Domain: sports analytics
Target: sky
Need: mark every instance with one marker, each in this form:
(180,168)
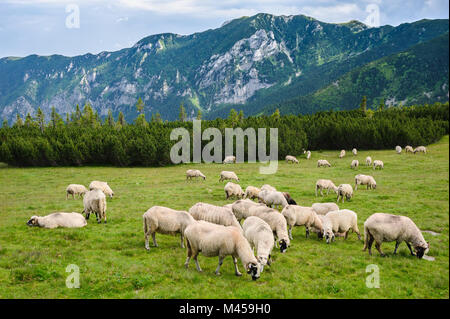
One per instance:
(74,27)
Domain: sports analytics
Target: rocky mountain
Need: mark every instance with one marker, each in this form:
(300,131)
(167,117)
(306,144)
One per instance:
(248,63)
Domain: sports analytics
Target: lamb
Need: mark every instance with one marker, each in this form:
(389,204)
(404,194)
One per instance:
(342,154)
(217,240)
(76,189)
(163,220)
(251,192)
(301,216)
(355,152)
(308,154)
(368,180)
(324,208)
(368,160)
(194,173)
(232,189)
(354,164)
(244,208)
(260,236)
(214,214)
(383,227)
(398,149)
(344,190)
(62,219)
(323,163)
(95,202)
(272,198)
(227,175)
(340,221)
(229,159)
(325,184)
(103,186)
(422,149)
(289,199)
(408,148)
(377,163)
(268,187)
(291,159)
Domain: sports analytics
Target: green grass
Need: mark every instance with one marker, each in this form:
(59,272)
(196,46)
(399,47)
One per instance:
(114,264)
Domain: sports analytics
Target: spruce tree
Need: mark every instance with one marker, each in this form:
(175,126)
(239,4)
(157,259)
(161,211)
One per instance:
(363,105)
(40,119)
(121,120)
(140,105)
(19,121)
(183,115)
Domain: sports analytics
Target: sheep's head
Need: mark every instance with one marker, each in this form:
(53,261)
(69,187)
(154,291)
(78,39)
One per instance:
(254,270)
(33,221)
(422,250)
(283,245)
(328,234)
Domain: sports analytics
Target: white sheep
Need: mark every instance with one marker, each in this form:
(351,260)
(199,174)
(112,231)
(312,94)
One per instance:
(95,202)
(194,173)
(76,189)
(301,216)
(308,154)
(327,184)
(229,159)
(324,208)
(381,227)
(163,220)
(62,219)
(355,151)
(408,148)
(323,162)
(344,190)
(291,159)
(422,149)
(272,199)
(354,164)
(214,214)
(368,180)
(244,208)
(232,189)
(378,163)
(217,240)
(368,160)
(342,154)
(340,221)
(398,149)
(227,175)
(260,236)
(103,186)
(268,188)
(251,192)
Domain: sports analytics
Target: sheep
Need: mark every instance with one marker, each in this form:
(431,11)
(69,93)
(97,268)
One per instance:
(228,206)
(378,163)
(340,221)
(301,216)
(323,163)
(383,227)
(354,151)
(244,208)
(214,214)
(227,175)
(368,180)
(76,189)
(398,149)
(62,219)
(289,199)
(163,220)
(272,198)
(268,187)
(291,159)
(344,190)
(194,173)
(342,154)
(232,189)
(422,149)
(408,148)
(308,154)
(103,186)
(325,184)
(251,192)
(229,159)
(368,160)
(354,164)
(324,208)
(259,236)
(95,202)
(217,240)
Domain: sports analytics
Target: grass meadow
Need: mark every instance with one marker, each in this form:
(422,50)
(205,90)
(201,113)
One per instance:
(114,264)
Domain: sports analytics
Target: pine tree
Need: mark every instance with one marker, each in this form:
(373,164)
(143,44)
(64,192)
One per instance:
(141,121)
(363,105)
(183,115)
(56,119)
(110,118)
(233,117)
(121,119)
(140,105)
(5,123)
(19,121)
(241,116)
(40,119)
(29,120)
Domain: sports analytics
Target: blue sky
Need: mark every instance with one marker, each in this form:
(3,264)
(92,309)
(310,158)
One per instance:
(44,27)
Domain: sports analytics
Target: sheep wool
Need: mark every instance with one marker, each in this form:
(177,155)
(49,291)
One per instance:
(324,208)
(227,175)
(103,186)
(76,189)
(214,214)
(344,190)
(232,189)
(260,236)
(301,216)
(340,221)
(95,202)
(327,184)
(60,219)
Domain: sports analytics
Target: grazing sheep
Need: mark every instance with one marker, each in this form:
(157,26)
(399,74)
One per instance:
(95,202)
(194,173)
(340,221)
(398,149)
(342,154)
(229,159)
(301,216)
(377,163)
(368,180)
(76,189)
(344,190)
(408,148)
(68,220)
(422,149)
(289,199)
(291,159)
(323,163)
(232,189)
(244,208)
(165,220)
(272,199)
(355,152)
(103,186)
(325,184)
(259,236)
(217,240)
(251,192)
(227,175)
(368,160)
(268,188)
(354,164)
(214,214)
(324,208)
(386,227)
(308,154)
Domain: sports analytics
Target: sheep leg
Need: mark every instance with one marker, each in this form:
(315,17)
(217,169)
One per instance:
(378,247)
(369,244)
(290,232)
(307,232)
(182,240)
(154,239)
(96,216)
(410,249)
(196,262)
(147,246)
(346,234)
(236,270)
(396,246)
(221,258)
